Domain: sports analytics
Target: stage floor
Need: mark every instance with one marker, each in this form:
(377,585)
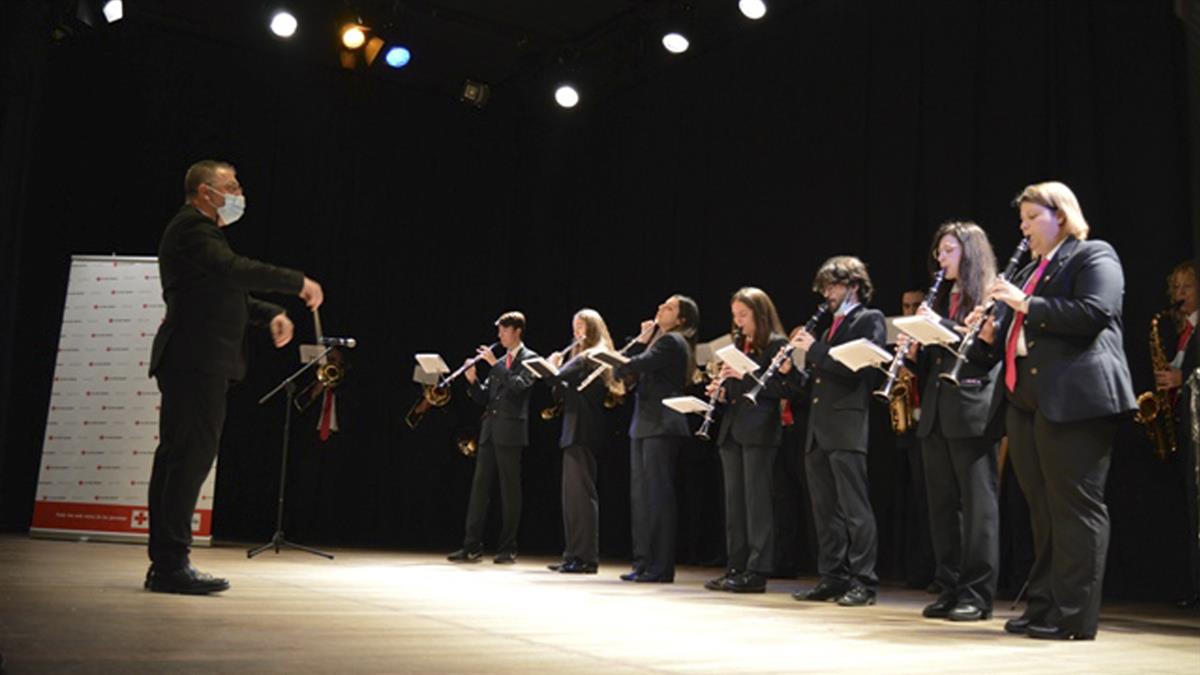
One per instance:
(79,607)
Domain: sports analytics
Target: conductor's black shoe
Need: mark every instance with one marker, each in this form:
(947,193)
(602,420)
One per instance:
(939,609)
(1055,633)
(505,558)
(969,611)
(747,582)
(857,596)
(186,581)
(718,584)
(578,567)
(825,591)
(466,555)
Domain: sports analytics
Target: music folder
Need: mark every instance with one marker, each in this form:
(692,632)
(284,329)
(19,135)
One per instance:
(432,363)
(927,331)
(540,367)
(856,354)
(607,357)
(687,404)
(737,360)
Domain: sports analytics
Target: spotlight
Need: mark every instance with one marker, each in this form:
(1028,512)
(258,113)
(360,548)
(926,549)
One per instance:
(398,57)
(675,43)
(476,93)
(753,9)
(284,24)
(114,10)
(566,96)
(353,36)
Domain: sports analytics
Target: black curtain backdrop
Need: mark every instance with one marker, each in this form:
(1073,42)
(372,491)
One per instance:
(842,127)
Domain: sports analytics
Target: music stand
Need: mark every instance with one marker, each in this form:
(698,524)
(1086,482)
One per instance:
(289,385)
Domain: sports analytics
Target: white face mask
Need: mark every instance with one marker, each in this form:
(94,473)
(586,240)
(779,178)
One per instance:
(234,207)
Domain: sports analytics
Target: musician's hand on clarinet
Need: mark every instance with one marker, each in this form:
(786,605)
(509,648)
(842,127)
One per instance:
(1006,292)
(803,340)
(556,359)
(1171,378)
(311,293)
(785,366)
(712,387)
(281,330)
(727,372)
(647,332)
(987,332)
(485,352)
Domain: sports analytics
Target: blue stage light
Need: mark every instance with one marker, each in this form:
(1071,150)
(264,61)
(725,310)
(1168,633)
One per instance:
(398,57)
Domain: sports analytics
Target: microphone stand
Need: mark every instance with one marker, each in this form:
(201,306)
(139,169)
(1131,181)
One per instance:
(289,386)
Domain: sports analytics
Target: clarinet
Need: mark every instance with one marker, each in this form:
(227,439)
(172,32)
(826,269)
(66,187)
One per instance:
(960,356)
(702,432)
(885,394)
(783,355)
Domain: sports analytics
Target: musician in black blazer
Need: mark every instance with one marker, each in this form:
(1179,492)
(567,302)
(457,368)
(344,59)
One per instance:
(960,433)
(1178,338)
(583,435)
(836,445)
(663,362)
(198,350)
(751,433)
(1068,383)
(503,433)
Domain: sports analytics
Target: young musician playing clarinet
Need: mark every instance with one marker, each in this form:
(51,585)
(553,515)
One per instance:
(663,362)
(836,447)
(749,440)
(583,434)
(960,431)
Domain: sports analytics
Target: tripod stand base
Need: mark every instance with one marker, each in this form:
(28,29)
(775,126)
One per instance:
(278,542)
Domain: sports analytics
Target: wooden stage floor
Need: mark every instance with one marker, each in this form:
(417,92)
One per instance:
(79,607)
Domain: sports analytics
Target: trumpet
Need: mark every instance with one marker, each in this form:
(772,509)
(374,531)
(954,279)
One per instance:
(783,355)
(960,355)
(885,393)
(551,411)
(438,395)
(604,366)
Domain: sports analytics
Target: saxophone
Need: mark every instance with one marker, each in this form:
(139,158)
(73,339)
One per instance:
(900,407)
(1154,409)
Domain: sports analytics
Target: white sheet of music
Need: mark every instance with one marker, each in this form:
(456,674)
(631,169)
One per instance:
(857,354)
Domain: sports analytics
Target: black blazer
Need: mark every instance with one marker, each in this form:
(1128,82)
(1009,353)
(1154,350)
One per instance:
(755,423)
(661,372)
(583,411)
(1073,334)
(841,398)
(969,410)
(1169,337)
(206,288)
(505,394)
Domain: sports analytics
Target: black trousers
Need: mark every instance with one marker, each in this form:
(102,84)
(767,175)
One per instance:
(652,504)
(749,508)
(1062,468)
(491,461)
(1187,452)
(190,422)
(911,535)
(846,534)
(964,515)
(580,505)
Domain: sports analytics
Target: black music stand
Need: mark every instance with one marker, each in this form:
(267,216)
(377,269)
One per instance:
(289,385)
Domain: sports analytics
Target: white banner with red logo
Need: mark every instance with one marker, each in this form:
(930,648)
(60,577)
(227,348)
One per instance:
(102,428)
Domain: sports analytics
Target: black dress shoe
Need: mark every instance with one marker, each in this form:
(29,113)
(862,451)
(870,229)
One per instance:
(577,567)
(555,566)
(645,578)
(1018,626)
(631,575)
(465,554)
(857,596)
(505,558)
(825,591)
(939,609)
(718,584)
(747,582)
(1041,632)
(187,581)
(969,611)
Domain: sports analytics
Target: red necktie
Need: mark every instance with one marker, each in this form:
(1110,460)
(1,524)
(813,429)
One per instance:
(1184,336)
(326,414)
(1010,350)
(955,297)
(508,361)
(837,321)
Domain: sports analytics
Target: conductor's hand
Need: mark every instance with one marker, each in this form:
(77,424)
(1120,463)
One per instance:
(311,293)
(281,330)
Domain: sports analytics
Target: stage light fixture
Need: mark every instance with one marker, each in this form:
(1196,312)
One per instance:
(476,93)
(675,43)
(371,51)
(398,56)
(753,9)
(353,36)
(284,24)
(566,96)
(114,10)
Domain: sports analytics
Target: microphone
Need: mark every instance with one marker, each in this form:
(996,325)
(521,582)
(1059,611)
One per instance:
(347,342)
